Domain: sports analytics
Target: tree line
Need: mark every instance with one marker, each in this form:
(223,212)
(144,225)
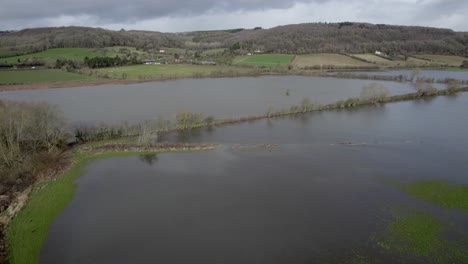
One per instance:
(102,62)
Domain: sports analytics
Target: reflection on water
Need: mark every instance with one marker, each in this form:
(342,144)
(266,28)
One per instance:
(149,158)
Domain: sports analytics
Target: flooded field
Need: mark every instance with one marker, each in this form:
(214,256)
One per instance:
(221,98)
(436,74)
(329,187)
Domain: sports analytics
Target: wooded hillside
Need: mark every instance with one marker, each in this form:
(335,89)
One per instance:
(344,37)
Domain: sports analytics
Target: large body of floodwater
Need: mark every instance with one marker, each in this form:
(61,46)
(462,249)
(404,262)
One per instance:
(221,97)
(435,74)
(307,199)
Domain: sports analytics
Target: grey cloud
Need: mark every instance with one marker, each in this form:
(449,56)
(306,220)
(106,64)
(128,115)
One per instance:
(124,10)
(17,14)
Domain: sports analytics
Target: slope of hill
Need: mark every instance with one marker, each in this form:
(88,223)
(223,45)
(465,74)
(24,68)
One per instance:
(344,37)
(40,39)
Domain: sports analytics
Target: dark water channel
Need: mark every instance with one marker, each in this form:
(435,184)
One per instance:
(306,199)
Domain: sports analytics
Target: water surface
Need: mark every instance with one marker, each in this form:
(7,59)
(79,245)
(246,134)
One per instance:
(308,199)
(221,97)
(436,74)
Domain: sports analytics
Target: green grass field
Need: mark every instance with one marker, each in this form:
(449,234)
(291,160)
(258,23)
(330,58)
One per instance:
(40,76)
(454,61)
(78,54)
(267,60)
(52,55)
(168,71)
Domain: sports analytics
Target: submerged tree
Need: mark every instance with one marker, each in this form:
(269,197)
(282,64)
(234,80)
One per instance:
(374,91)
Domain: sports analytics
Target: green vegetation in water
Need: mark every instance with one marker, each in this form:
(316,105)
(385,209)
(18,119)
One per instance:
(417,235)
(267,60)
(28,230)
(40,76)
(439,192)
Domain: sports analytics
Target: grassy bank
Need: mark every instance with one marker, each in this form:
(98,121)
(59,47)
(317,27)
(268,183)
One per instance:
(12,77)
(28,230)
(265,60)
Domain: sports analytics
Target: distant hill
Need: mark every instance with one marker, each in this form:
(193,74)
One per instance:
(346,37)
(40,39)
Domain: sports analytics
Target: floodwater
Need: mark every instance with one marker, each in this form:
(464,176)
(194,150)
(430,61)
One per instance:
(306,199)
(436,74)
(221,97)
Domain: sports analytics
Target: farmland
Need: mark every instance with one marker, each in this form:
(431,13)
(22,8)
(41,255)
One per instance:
(169,71)
(328,60)
(40,76)
(455,61)
(52,55)
(266,60)
(78,54)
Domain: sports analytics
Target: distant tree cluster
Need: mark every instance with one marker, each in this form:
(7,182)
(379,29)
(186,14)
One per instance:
(103,62)
(65,63)
(465,64)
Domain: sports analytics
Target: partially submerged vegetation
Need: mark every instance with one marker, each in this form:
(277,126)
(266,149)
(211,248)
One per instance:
(439,192)
(421,236)
(417,236)
(373,94)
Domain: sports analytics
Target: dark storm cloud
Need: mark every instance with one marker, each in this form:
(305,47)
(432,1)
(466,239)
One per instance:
(125,10)
(185,15)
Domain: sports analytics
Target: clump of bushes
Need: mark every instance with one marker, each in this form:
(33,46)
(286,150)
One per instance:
(374,91)
(32,137)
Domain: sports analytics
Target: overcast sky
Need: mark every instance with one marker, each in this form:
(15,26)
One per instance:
(188,15)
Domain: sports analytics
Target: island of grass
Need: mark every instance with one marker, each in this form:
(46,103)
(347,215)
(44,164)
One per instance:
(265,60)
(418,236)
(439,192)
